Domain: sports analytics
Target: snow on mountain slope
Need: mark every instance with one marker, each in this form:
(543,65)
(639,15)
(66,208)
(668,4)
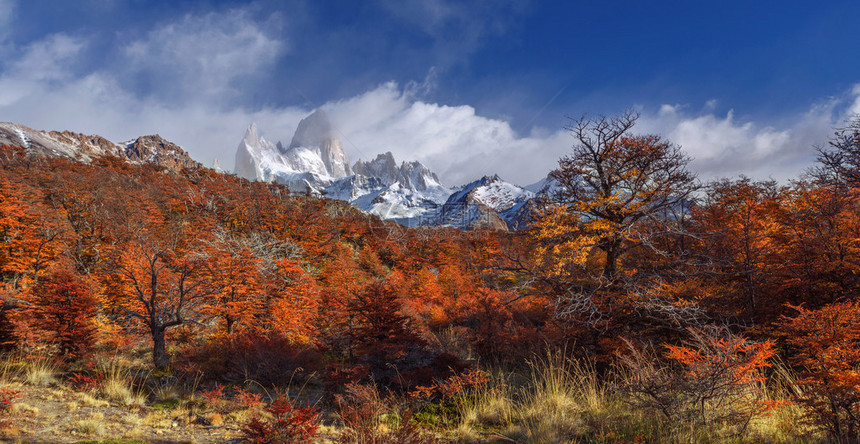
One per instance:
(487,202)
(314,160)
(409,193)
(316,135)
(390,192)
(383,167)
(146,149)
(493,192)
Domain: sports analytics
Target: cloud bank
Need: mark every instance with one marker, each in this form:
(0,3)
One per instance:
(182,78)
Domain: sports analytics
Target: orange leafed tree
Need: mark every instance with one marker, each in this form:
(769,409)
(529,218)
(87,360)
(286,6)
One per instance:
(711,378)
(160,285)
(825,343)
(234,278)
(616,192)
(27,247)
(63,307)
(743,225)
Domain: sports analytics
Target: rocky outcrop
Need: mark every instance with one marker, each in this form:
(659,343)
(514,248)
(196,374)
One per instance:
(155,150)
(315,133)
(85,148)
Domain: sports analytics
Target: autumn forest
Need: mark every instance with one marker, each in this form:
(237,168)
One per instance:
(640,305)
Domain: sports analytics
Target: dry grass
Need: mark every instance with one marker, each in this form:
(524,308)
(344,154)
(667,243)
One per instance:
(93,426)
(785,423)
(119,386)
(25,409)
(548,408)
(40,372)
(163,419)
(560,394)
(89,400)
(563,400)
(9,369)
(167,393)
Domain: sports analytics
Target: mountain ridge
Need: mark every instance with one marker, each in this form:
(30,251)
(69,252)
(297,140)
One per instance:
(409,193)
(152,149)
(316,163)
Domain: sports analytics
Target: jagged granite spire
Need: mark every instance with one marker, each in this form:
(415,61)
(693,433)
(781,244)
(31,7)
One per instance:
(316,133)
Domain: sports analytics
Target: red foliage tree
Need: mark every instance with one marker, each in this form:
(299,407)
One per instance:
(825,343)
(63,307)
(711,379)
(288,424)
(160,284)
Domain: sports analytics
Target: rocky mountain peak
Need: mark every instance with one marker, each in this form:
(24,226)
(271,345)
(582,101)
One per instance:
(313,130)
(408,192)
(155,149)
(147,149)
(251,138)
(383,167)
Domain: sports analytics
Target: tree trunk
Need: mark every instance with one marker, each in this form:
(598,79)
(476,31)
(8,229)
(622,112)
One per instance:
(159,349)
(613,252)
(231,324)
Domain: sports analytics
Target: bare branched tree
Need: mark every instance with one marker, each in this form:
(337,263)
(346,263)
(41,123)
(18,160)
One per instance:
(616,192)
(840,159)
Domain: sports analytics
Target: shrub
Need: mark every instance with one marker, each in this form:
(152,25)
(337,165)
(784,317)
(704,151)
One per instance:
(64,308)
(214,397)
(8,417)
(712,379)
(86,382)
(287,424)
(362,408)
(248,400)
(825,343)
(8,397)
(269,359)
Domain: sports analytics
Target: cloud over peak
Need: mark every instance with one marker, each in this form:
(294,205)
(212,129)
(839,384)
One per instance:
(189,77)
(204,57)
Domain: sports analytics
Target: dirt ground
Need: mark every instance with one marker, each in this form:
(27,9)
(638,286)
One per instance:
(60,415)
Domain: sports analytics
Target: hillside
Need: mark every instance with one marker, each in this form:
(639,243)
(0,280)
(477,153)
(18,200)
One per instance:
(203,306)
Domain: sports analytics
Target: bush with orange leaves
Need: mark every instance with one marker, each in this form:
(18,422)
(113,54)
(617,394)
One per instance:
(361,408)
(826,345)
(712,379)
(62,310)
(287,424)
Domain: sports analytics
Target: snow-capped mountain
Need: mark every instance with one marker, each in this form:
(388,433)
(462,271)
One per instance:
(408,193)
(405,193)
(313,161)
(315,135)
(146,149)
(488,202)
(316,162)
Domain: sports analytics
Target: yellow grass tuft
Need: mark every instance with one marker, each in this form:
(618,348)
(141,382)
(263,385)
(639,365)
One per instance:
(93,426)
(89,400)
(40,372)
(118,386)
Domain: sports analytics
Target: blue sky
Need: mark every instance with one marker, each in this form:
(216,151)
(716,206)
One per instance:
(468,88)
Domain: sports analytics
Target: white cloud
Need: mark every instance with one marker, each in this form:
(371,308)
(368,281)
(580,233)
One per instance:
(7,9)
(855,107)
(452,140)
(202,57)
(7,17)
(49,59)
(461,146)
(721,146)
(39,66)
